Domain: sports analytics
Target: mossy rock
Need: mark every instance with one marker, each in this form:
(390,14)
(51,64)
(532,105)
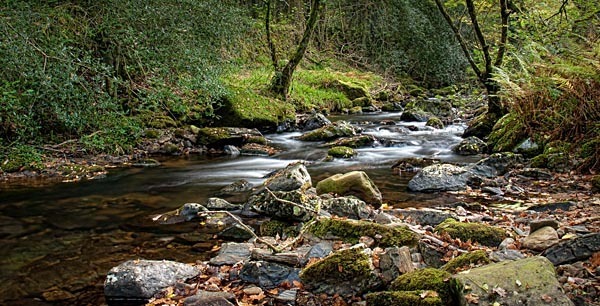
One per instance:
(342,152)
(484,234)
(351,90)
(416,91)
(478,257)
(221,136)
(345,272)
(435,122)
(330,132)
(355,110)
(152,133)
(392,107)
(470,146)
(383,96)
(429,279)
(356,183)
(273,228)
(157,121)
(415,114)
(404,298)
(354,142)
(22,157)
(507,133)
(481,126)
(362,102)
(245,108)
(350,231)
(434,106)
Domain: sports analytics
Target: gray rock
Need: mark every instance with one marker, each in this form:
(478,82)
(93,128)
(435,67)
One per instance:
(564,206)
(319,250)
(231,150)
(235,187)
(209,298)
(315,121)
(302,210)
(287,296)
(440,177)
(573,250)
(268,274)
(496,164)
(294,176)
(356,183)
(218,137)
(190,210)
(493,190)
(535,173)
(537,224)
(349,207)
(394,262)
(415,114)
(530,281)
(141,279)
(541,239)
(470,146)
(330,132)
(220,204)
(506,254)
(425,216)
(232,253)
(392,107)
(432,256)
(528,148)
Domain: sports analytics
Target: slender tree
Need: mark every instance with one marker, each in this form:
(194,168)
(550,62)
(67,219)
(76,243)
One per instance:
(280,84)
(483,127)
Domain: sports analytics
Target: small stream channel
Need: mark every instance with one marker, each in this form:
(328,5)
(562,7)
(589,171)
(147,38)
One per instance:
(58,241)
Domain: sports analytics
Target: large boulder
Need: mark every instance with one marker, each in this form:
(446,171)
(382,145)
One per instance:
(301,209)
(141,279)
(330,132)
(356,183)
(315,121)
(294,176)
(440,177)
(470,146)
(541,239)
(415,114)
(530,281)
(345,272)
(349,207)
(354,142)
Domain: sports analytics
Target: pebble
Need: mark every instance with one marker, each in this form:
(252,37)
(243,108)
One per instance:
(252,290)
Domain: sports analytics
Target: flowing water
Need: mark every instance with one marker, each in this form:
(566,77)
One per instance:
(59,241)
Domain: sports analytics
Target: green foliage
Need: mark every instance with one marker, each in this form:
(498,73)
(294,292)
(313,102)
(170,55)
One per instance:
(21,157)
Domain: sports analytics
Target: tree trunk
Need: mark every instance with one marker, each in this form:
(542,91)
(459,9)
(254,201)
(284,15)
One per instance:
(280,84)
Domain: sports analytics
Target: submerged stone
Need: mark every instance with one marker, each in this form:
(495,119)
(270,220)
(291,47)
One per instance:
(341,152)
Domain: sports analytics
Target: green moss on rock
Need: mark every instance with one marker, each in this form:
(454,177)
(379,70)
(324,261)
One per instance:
(429,279)
(404,298)
(435,122)
(354,142)
(341,152)
(330,132)
(275,227)
(350,231)
(353,262)
(484,234)
(351,90)
(508,132)
(478,257)
(362,102)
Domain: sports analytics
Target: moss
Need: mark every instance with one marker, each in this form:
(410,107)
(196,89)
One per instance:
(345,264)
(152,133)
(170,148)
(354,142)
(22,157)
(355,110)
(272,228)
(157,121)
(484,234)
(351,90)
(404,298)
(415,90)
(362,102)
(257,139)
(507,133)
(212,135)
(341,152)
(435,122)
(466,260)
(350,231)
(330,132)
(429,279)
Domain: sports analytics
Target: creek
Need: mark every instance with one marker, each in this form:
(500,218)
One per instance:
(58,241)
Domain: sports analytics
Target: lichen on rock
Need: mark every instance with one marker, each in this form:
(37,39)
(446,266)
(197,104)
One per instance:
(484,234)
(351,230)
(478,257)
(429,279)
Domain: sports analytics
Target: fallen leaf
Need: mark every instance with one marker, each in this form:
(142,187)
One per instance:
(499,291)
(546,298)
(472,298)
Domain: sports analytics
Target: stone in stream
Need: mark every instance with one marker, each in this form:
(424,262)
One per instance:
(294,176)
(218,137)
(235,187)
(530,281)
(440,177)
(330,132)
(415,114)
(141,279)
(470,146)
(412,164)
(356,183)
(220,204)
(296,205)
(315,121)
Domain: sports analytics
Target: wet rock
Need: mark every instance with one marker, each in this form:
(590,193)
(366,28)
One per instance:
(220,204)
(209,298)
(352,230)
(231,150)
(287,296)
(528,148)
(315,121)
(330,132)
(496,164)
(238,186)
(268,274)
(435,106)
(221,136)
(392,107)
(573,250)
(345,272)
(435,123)
(412,164)
(470,146)
(303,209)
(467,260)
(415,115)
(424,216)
(186,212)
(349,207)
(530,281)
(356,183)
(141,279)
(537,224)
(232,253)
(440,177)
(57,295)
(484,234)
(146,163)
(551,207)
(341,152)
(393,262)
(354,142)
(428,279)
(541,239)
(294,176)
(256,149)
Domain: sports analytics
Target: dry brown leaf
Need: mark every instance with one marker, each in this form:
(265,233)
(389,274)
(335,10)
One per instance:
(472,298)
(546,298)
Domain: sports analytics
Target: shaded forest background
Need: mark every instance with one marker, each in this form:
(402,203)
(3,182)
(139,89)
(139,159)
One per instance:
(104,71)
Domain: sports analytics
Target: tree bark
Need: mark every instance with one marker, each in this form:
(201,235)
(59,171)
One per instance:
(282,80)
(270,43)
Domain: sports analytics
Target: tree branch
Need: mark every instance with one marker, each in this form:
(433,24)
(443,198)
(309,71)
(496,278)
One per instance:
(270,43)
(505,14)
(481,39)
